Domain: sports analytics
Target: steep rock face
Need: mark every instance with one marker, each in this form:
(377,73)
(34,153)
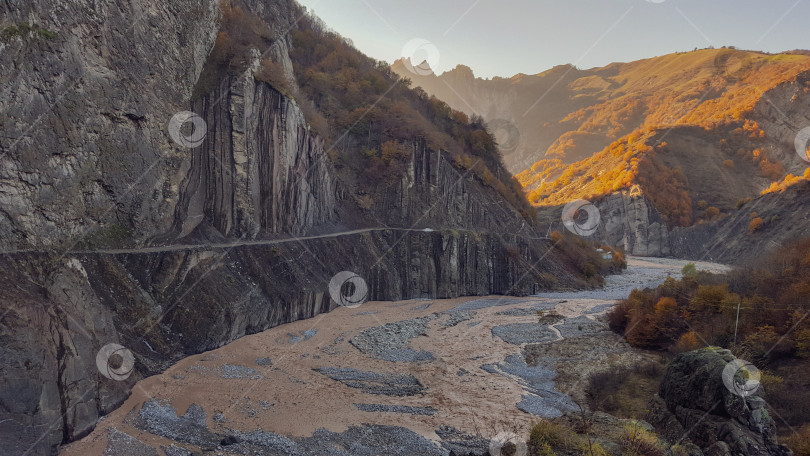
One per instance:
(260,170)
(782,113)
(165,305)
(86,92)
(730,240)
(628,220)
(694,402)
(432,193)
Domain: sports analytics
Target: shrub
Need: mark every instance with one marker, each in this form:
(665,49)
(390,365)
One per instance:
(273,74)
(638,441)
(618,316)
(709,298)
(602,387)
(728,164)
(689,269)
(547,436)
(711,213)
(687,342)
(755,224)
(742,202)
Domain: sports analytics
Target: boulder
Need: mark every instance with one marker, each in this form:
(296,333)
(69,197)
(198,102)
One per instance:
(694,404)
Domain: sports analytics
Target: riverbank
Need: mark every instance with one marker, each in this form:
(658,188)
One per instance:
(438,372)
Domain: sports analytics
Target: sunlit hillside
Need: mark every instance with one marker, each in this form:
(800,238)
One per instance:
(692,130)
(680,125)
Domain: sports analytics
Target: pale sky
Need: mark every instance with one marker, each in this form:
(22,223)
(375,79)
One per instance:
(506,37)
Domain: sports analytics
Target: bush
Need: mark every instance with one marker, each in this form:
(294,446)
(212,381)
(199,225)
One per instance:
(602,388)
(741,203)
(755,224)
(689,269)
(687,342)
(273,74)
(638,441)
(547,436)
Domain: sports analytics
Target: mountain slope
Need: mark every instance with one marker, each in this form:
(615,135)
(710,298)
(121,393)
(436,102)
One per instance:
(688,134)
(119,224)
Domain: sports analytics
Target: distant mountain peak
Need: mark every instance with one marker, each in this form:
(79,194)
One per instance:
(404,65)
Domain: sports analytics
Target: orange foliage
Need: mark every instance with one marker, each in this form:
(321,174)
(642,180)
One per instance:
(711,213)
(755,224)
(687,342)
(782,185)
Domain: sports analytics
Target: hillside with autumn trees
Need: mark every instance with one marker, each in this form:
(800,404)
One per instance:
(372,121)
(759,311)
(695,132)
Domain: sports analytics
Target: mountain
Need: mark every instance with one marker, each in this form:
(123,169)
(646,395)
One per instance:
(174,176)
(673,141)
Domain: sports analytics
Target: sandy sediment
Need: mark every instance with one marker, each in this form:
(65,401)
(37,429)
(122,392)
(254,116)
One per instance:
(422,365)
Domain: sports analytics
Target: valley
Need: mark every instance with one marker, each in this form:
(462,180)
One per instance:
(225,228)
(466,356)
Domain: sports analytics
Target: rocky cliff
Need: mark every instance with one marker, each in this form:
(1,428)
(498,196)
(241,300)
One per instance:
(116,232)
(165,305)
(629,221)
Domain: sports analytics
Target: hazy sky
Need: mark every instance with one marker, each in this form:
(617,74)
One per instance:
(506,37)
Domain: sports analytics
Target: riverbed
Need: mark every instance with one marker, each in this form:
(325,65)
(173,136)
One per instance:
(429,374)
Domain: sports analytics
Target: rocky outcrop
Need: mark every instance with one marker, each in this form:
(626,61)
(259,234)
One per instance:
(694,404)
(259,171)
(86,92)
(729,240)
(629,221)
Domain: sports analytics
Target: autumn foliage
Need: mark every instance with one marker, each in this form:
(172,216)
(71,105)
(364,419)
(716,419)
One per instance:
(642,102)
(376,122)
